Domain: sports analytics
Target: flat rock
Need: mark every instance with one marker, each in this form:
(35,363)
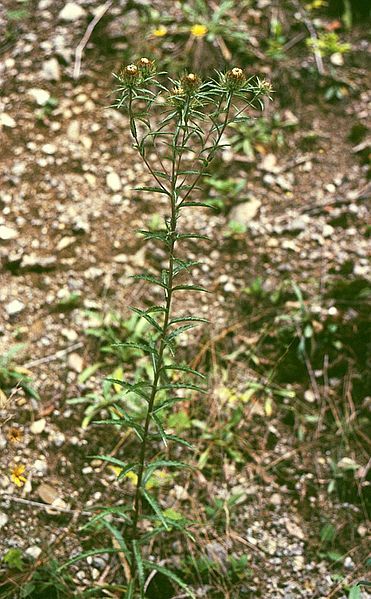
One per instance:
(48,493)
(294,530)
(3,519)
(41,96)
(244,213)
(75,362)
(33,552)
(14,307)
(71,12)
(33,261)
(7,121)
(51,70)
(113,181)
(49,149)
(38,426)
(7,233)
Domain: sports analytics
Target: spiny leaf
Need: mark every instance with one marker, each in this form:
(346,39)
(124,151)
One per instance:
(150,279)
(172,386)
(139,565)
(117,511)
(187,319)
(161,190)
(199,204)
(192,236)
(159,235)
(189,288)
(148,318)
(184,265)
(179,331)
(169,574)
(142,346)
(184,369)
(156,508)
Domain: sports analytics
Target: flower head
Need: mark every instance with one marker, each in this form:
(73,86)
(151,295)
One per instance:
(14,435)
(129,74)
(160,31)
(16,475)
(190,83)
(199,30)
(235,79)
(145,66)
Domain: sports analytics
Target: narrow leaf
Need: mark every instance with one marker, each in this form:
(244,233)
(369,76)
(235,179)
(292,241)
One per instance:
(156,508)
(140,568)
(184,369)
(169,574)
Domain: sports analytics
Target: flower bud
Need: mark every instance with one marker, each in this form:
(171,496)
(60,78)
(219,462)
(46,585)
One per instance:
(235,78)
(129,74)
(190,83)
(145,66)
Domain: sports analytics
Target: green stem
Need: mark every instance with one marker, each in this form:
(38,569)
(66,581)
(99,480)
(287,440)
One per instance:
(162,340)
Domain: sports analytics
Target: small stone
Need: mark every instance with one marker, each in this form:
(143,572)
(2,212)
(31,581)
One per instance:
(244,213)
(51,70)
(7,233)
(71,12)
(73,132)
(41,96)
(298,562)
(337,59)
(14,307)
(57,438)
(7,121)
(40,466)
(49,149)
(33,261)
(65,242)
(113,181)
(75,362)
(33,552)
(294,530)
(276,499)
(349,563)
(309,396)
(38,426)
(269,164)
(328,230)
(3,519)
(69,334)
(47,493)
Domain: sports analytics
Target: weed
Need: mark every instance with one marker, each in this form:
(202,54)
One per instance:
(193,117)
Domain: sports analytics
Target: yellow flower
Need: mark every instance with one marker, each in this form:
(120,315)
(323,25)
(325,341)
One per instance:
(160,31)
(199,30)
(16,475)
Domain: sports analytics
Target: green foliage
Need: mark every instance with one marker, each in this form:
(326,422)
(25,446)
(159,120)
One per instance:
(14,559)
(276,41)
(327,43)
(12,375)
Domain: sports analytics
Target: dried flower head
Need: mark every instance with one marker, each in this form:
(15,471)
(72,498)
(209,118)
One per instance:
(15,435)
(190,83)
(235,78)
(145,66)
(129,74)
(265,87)
(16,475)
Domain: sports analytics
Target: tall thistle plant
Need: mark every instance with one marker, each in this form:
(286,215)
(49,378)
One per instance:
(177,127)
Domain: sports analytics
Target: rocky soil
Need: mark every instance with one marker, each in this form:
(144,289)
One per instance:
(68,215)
